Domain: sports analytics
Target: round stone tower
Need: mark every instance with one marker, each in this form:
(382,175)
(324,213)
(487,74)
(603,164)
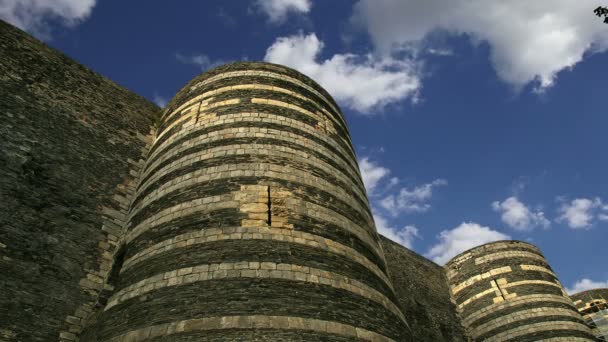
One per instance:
(506,291)
(251,222)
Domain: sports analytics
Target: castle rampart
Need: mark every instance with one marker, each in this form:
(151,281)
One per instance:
(506,291)
(251,219)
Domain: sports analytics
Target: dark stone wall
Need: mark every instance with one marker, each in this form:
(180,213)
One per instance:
(251,212)
(422,290)
(69,139)
(582,298)
(506,291)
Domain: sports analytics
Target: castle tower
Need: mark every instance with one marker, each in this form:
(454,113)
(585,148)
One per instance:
(506,291)
(251,222)
(593,305)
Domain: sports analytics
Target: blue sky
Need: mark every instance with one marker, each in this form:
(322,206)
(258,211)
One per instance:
(473,121)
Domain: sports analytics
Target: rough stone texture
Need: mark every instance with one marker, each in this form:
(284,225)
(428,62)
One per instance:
(251,203)
(593,305)
(422,290)
(69,139)
(506,291)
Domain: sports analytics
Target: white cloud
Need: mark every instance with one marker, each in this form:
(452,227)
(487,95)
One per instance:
(455,241)
(277,10)
(202,61)
(362,83)
(518,216)
(586,284)
(528,40)
(371,173)
(34,15)
(411,200)
(160,101)
(581,212)
(404,236)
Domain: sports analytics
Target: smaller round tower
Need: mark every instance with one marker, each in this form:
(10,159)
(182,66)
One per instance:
(506,291)
(593,305)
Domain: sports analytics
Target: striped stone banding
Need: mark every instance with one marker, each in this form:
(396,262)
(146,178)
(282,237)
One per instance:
(517,301)
(566,339)
(537,269)
(248,322)
(507,254)
(253,88)
(205,108)
(255,233)
(287,127)
(333,215)
(219,155)
(289,116)
(516,319)
(506,286)
(479,277)
(282,77)
(232,217)
(251,296)
(246,269)
(454,264)
(537,328)
(249,135)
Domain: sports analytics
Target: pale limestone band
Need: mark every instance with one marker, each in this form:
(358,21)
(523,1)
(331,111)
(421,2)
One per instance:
(508,254)
(453,265)
(479,277)
(259,170)
(249,269)
(248,132)
(255,233)
(250,322)
(204,108)
(537,327)
(271,75)
(520,316)
(506,286)
(259,150)
(537,269)
(212,120)
(526,299)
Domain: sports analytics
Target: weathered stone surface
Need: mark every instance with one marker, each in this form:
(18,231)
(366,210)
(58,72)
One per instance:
(251,203)
(422,291)
(66,137)
(506,291)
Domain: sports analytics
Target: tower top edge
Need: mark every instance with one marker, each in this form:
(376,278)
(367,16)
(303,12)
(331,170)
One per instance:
(487,246)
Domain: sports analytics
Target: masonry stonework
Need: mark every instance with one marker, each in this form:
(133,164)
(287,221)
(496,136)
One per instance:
(506,291)
(251,218)
(71,144)
(236,214)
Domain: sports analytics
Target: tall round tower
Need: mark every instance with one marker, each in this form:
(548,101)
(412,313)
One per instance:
(251,222)
(506,291)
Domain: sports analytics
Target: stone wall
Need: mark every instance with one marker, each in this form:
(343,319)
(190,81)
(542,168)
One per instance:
(593,305)
(70,147)
(422,290)
(251,222)
(506,291)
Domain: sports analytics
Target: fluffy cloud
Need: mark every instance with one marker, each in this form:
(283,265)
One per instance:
(586,284)
(516,215)
(362,83)
(580,213)
(277,10)
(371,173)
(33,15)
(201,61)
(529,40)
(411,200)
(455,241)
(404,236)
(160,101)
